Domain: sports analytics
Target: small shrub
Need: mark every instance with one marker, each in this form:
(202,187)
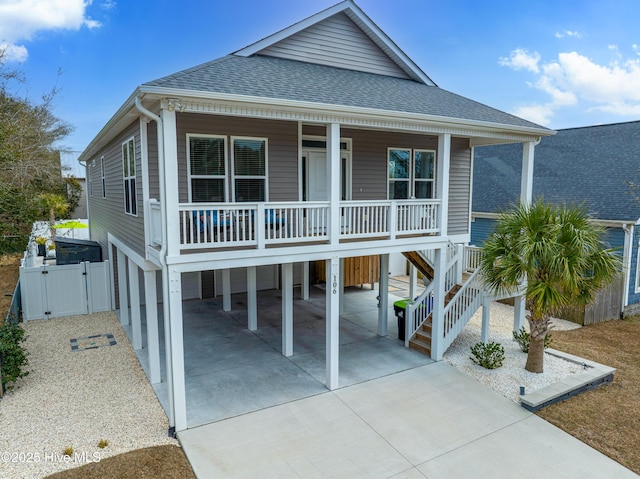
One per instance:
(68,451)
(103,443)
(523,339)
(488,355)
(13,357)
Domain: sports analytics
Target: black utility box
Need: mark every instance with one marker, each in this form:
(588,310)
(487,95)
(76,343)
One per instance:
(74,251)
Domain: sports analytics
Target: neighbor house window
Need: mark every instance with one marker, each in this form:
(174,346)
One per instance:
(249,169)
(104,178)
(411,173)
(129,174)
(207,171)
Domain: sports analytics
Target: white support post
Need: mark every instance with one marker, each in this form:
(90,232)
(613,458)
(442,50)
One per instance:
(136,322)
(287,309)
(305,280)
(175,333)
(332,323)
(460,266)
(442,180)
(170,202)
(252,298)
(226,290)
(383,295)
(519,312)
(526,183)
(437,325)
(333,178)
(151,314)
(122,288)
(486,316)
(413,280)
(341,285)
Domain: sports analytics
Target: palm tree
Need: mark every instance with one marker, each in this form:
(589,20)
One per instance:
(55,205)
(558,253)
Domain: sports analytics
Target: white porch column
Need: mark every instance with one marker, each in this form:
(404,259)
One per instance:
(332,322)
(439,267)
(305,280)
(333,178)
(170,147)
(287,309)
(151,314)
(226,289)
(177,389)
(413,280)
(519,312)
(122,288)
(486,316)
(526,183)
(383,295)
(442,180)
(341,285)
(252,299)
(134,290)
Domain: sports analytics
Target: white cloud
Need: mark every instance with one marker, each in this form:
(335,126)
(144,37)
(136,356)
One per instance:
(569,33)
(521,59)
(13,53)
(574,79)
(20,20)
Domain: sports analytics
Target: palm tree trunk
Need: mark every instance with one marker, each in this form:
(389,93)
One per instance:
(535,357)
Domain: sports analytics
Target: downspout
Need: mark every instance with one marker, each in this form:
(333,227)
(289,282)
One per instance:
(626,268)
(163,252)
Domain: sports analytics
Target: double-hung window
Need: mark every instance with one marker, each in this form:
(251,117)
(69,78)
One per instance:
(249,169)
(411,173)
(207,168)
(129,174)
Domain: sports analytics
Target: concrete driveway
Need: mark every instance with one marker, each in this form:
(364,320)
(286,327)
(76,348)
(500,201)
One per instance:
(431,421)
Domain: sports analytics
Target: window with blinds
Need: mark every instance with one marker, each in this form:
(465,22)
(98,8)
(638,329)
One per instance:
(207,168)
(129,175)
(250,169)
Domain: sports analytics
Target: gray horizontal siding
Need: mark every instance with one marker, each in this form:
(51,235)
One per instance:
(152,149)
(481,229)
(106,215)
(282,149)
(459,186)
(337,42)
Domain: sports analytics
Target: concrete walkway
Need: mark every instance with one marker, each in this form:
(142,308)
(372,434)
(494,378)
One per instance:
(431,421)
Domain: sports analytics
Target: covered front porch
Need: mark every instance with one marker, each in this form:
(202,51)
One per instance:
(230,370)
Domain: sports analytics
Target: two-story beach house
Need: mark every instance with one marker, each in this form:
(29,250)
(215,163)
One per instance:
(319,143)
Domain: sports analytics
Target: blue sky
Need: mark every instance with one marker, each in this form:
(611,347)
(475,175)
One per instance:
(561,63)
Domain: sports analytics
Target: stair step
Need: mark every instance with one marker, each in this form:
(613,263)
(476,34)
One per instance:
(426,327)
(421,346)
(424,336)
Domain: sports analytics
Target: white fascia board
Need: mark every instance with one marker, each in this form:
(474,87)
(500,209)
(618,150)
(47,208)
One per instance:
(359,18)
(527,133)
(595,221)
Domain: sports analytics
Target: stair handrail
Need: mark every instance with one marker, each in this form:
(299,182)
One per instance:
(412,321)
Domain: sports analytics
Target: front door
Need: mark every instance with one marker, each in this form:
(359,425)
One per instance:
(315,178)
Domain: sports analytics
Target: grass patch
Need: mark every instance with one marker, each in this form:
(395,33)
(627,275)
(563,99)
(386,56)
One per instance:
(71,224)
(608,418)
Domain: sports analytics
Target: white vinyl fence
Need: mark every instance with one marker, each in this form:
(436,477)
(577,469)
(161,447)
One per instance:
(51,291)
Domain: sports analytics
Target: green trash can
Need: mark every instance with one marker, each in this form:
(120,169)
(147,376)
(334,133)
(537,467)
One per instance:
(399,307)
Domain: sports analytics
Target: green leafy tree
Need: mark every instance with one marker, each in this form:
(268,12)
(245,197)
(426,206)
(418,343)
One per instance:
(558,252)
(29,156)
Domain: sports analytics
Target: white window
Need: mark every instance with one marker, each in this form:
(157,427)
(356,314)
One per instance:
(129,175)
(104,179)
(249,157)
(411,173)
(207,168)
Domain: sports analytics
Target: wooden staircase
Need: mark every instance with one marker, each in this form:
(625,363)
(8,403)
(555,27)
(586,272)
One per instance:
(421,341)
(421,263)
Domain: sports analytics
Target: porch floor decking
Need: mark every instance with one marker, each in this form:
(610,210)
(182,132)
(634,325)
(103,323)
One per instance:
(232,371)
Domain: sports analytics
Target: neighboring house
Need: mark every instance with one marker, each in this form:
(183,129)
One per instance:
(321,142)
(593,166)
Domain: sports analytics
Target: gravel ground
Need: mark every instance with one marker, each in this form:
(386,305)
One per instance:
(507,379)
(76,399)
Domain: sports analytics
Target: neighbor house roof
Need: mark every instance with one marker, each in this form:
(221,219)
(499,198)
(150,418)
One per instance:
(592,165)
(277,78)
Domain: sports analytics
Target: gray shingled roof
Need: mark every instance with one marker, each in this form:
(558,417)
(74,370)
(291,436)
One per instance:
(593,165)
(278,78)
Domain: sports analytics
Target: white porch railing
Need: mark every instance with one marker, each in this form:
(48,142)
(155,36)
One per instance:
(472,258)
(220,225)
(417,313)
(460,309)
